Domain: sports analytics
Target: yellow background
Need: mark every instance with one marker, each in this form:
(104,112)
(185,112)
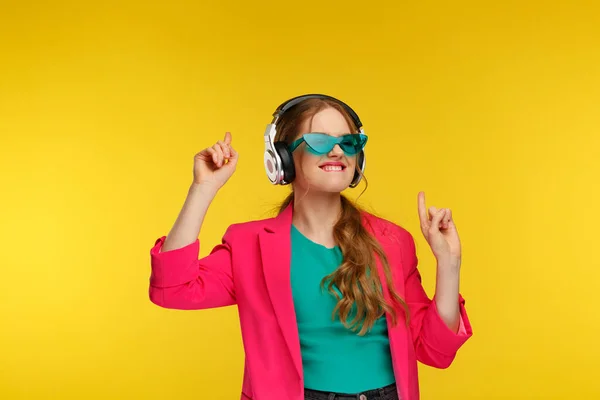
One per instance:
(491,109)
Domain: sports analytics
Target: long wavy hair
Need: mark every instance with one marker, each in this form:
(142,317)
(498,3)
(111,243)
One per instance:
(362,301)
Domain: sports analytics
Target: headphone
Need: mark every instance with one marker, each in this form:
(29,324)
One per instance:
(279,163)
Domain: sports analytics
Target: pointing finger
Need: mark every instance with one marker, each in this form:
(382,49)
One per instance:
(422,209)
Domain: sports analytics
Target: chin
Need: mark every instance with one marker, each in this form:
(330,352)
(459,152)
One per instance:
(330,186)
(337,188)
(325,182)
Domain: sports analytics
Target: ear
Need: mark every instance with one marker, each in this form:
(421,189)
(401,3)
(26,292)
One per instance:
(360,166)
(287,161)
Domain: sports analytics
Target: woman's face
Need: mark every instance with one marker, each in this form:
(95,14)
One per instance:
(331,172)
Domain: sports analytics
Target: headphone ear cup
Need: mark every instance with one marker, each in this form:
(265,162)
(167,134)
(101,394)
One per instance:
(287,161)
(360,162)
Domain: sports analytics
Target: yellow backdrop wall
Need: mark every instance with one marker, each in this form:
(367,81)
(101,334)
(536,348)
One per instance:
(491,109)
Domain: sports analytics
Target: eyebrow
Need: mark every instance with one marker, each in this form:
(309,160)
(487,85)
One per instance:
(329,134)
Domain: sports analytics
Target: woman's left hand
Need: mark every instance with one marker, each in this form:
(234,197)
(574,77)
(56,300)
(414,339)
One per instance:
(440,232)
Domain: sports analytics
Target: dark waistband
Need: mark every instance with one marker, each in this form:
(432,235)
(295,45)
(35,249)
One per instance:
(369,394)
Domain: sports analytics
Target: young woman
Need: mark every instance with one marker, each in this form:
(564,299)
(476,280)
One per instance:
(330,299)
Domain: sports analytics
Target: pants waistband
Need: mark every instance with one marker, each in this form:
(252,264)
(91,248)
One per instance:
(374,394)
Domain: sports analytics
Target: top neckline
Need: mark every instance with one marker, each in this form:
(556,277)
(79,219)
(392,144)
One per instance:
(313,243)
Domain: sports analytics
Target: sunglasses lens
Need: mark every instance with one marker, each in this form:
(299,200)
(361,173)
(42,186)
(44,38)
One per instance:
(354,143)
(321,143)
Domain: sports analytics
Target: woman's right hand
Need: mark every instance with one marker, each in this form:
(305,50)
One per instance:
(214,165)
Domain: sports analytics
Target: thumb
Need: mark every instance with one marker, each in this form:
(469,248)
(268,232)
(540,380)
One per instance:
(232,161)
(437,218)
(432,211)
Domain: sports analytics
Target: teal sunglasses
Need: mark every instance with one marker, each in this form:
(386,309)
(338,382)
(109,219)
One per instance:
(322,143)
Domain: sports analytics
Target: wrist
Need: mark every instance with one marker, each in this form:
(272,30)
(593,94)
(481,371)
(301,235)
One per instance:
(204,188)
(448,264)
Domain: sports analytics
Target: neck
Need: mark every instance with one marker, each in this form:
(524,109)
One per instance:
(315,214)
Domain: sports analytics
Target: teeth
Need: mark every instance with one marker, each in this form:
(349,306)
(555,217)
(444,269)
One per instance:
(332,168)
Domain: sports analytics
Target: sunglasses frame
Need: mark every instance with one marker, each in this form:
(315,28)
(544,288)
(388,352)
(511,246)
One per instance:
(336,141)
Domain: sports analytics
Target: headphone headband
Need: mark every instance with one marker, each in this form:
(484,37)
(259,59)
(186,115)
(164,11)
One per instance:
(283,107)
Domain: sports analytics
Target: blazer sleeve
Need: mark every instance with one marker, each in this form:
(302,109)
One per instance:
(435,344)
(179,280)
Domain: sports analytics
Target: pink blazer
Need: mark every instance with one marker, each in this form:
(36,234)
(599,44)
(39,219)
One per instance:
(251,268)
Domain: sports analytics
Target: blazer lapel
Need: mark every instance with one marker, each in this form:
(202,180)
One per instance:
(275,248)
(397,334)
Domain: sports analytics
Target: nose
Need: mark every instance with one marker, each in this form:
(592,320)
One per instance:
(336,151)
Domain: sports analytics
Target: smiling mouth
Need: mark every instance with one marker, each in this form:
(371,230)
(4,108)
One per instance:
(333,168)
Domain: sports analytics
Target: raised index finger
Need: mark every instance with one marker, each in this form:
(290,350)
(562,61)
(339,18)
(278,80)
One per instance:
(227,138)
(422,209)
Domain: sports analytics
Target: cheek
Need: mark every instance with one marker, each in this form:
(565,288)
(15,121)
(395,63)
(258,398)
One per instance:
(303,161)
(352,163)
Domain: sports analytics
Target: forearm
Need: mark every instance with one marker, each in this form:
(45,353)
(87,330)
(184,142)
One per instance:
(186,228)
(447,294)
